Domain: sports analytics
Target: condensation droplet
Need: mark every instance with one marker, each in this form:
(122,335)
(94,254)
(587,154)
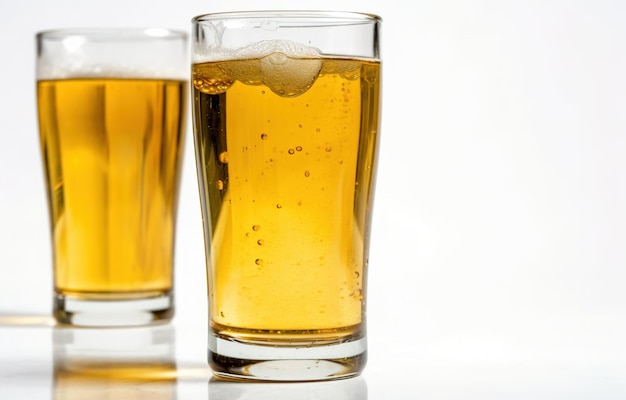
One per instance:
(279,206)
(318,130)
(256,227)
(356,274)
(299,148)
(291,151)
(307,173)
(258,261)
(328,149)
(223,157)
(263,136)
(299,125)
(260,242)
(222,314)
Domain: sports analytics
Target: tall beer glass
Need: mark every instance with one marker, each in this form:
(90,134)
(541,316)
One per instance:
(111,113)
(286,116)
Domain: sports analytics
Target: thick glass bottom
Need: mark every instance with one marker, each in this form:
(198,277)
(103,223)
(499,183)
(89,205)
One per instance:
(235,359)
(105,312)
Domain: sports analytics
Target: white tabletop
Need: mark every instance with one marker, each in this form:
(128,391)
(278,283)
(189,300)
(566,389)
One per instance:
(41,361)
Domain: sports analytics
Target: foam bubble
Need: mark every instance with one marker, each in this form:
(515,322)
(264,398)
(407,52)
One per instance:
(288,68)
(289,77)
(266,47)
(85,70)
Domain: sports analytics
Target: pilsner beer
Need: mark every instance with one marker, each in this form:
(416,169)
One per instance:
(285,150)
(112,149)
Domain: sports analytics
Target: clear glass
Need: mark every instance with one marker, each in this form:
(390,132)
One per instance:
(286,119)
(111,106)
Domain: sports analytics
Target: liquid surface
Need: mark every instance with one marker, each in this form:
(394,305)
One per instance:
(286,152)
(112,150)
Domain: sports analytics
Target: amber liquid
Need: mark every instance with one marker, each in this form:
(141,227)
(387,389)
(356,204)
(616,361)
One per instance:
(112,150)
(286,167)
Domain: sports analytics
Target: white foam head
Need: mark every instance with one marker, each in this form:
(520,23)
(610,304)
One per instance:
(256,50)
(112,53)
(287,68)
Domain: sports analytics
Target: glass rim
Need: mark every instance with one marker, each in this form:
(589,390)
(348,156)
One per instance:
(301,17)
(113,33)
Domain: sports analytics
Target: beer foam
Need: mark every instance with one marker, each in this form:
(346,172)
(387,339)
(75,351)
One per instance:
(255,51)
(89,71)
(288,48)
(287,76)
(288,68)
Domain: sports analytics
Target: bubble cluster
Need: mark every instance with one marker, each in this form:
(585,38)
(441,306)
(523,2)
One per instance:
(211,80)
(288,68)
(287,76)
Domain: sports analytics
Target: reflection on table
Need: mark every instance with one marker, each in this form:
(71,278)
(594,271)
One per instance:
(348,389)
(131,363)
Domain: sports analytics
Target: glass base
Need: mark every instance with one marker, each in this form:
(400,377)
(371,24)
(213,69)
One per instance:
(101,312)
(235,359)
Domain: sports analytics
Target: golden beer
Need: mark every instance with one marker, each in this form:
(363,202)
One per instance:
(112,150)
(286,156)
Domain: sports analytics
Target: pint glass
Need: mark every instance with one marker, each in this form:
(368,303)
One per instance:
(111,111)
(286,116)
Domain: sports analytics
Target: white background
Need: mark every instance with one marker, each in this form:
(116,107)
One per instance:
(499,225)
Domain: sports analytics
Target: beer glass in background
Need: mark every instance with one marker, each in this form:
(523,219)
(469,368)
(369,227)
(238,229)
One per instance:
(111,106)
(286,116)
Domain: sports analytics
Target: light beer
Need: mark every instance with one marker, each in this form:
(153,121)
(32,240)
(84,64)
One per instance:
(111,150)
(286,156)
